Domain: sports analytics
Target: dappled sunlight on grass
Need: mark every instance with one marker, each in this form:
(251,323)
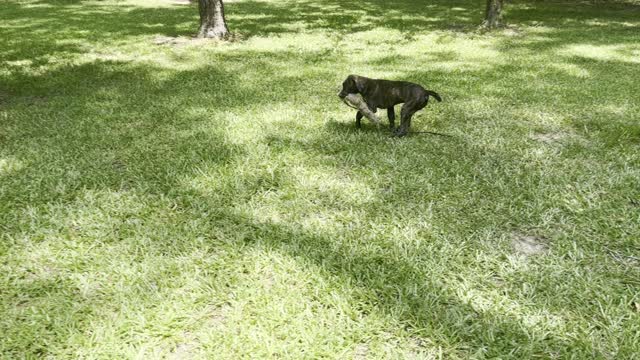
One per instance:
(340,194)
(623,53)
(10,165)
(537,322)
(572,69)
(165,196)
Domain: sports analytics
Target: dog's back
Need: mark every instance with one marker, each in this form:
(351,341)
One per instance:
(384,93)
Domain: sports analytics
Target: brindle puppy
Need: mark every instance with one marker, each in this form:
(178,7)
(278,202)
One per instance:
(384,94)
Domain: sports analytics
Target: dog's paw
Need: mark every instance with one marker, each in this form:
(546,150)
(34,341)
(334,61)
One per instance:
(400,132)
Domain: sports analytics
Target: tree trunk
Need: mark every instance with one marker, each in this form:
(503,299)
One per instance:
(493,15)
(212,22)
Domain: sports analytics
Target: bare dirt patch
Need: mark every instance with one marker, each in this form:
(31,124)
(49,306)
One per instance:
(529,245)
(549,137)
(181,41)
(219,315)
(361,352)
(182,351)
(512,30)
(174,41)
(417,348)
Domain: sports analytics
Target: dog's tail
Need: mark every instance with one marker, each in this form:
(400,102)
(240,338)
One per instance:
(434,94)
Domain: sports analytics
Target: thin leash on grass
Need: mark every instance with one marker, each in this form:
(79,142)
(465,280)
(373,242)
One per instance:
(431,133)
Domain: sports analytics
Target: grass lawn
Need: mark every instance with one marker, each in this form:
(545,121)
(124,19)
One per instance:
(189,199)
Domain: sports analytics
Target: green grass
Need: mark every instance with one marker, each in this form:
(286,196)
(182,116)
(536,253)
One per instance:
(213,200)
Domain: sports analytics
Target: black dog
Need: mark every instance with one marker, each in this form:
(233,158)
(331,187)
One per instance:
(384,94)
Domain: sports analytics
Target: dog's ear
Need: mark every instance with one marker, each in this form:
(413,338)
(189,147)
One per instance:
(351,80)
(361,83)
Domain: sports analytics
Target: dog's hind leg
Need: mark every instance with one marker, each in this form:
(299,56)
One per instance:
(358,118)
(408,109)
(405,119)
(391,114)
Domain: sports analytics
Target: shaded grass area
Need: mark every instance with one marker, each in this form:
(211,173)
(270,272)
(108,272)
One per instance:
(211,199)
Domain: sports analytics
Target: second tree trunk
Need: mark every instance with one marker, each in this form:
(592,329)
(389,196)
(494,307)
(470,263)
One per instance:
(212,21)
(493,15)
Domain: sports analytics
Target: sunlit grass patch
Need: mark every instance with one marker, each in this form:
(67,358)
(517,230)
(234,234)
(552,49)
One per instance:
(623,53)
(162,196)
(9,165)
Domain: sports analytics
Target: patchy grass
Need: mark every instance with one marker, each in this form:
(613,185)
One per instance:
(181,199)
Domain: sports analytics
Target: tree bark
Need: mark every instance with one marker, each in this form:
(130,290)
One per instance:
(212,21)
(493,14)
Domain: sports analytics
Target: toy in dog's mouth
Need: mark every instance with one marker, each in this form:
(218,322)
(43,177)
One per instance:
(357,102)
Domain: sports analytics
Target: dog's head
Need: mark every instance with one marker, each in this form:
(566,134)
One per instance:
(351,85)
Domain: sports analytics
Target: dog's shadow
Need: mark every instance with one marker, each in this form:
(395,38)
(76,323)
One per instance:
(342,127)
(383,129)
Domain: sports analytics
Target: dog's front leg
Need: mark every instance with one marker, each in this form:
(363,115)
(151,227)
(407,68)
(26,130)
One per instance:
(358,118)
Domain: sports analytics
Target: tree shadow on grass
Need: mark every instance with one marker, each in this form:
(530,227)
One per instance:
(121,132)
(148,113)
(122,128)
(565,20)
(424,302)
(128,131)
(120,24)
(73,27)
(261,18)
(167,137)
